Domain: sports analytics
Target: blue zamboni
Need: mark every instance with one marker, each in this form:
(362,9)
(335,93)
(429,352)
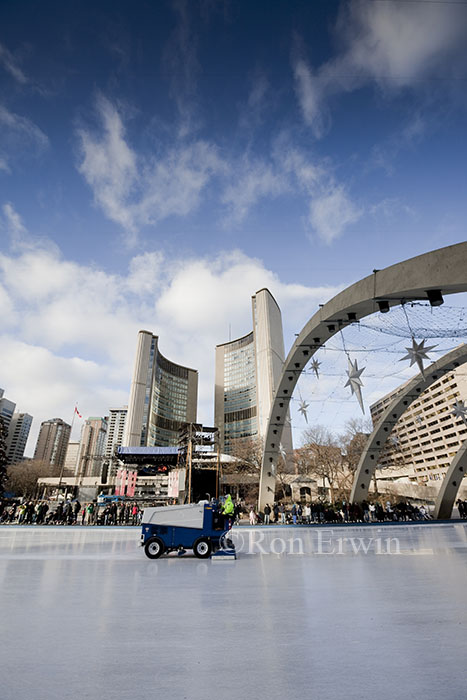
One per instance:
(197,526)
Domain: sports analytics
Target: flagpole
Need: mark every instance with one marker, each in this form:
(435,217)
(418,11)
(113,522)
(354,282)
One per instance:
(75,411)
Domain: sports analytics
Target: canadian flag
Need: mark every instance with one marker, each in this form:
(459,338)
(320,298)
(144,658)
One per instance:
(78,413)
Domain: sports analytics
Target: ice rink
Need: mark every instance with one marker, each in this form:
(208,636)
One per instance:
(380,615)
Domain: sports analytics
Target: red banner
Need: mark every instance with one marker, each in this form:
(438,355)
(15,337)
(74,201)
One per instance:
(130,491)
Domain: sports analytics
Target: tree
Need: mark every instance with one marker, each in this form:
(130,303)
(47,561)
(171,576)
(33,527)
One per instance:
(3,457)
(248,454)
(23,476)
(322,457)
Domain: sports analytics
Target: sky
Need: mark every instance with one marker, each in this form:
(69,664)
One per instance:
(162,161)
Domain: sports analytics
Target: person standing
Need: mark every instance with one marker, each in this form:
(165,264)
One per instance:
(267,513)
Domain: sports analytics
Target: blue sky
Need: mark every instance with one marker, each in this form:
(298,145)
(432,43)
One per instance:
(162,161)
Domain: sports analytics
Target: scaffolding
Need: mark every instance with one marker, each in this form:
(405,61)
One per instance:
(199,451)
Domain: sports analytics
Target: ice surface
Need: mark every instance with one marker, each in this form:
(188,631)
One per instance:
(84,614)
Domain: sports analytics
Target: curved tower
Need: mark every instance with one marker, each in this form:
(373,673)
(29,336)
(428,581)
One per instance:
(247,372)
(163,395)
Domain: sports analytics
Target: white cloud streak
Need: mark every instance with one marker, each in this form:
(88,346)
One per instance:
(18,135)
(10,64)
(134,190)
(393,45)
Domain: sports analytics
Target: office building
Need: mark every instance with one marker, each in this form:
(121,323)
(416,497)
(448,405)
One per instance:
(52,443)
(18,434)
(163,396)
(115,430)
(7,409)
(427,436)
(71,459)
(248,370)
(92,446)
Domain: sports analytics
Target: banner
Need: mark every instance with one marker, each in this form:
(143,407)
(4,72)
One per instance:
(132,476)
(118,481)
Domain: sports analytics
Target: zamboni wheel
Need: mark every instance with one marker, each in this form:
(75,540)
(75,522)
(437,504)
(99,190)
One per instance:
(154,547)
(202,548)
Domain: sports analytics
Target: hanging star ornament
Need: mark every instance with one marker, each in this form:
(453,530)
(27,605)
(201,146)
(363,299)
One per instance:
(282,451)
(315,365)
(303,409)
(417,353)
(354,381)
(460,411)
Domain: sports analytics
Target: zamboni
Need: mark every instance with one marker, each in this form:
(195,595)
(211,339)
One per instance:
(197,526)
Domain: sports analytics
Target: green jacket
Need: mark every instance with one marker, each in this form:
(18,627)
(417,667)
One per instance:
(228,508)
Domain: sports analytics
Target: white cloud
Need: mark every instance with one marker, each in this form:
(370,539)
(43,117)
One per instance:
(331,212)
(18,135)
(182,65)
(394,45)
(8,61)
(137,190)
(69,331)
(109,165)
(309,94)
(255,181)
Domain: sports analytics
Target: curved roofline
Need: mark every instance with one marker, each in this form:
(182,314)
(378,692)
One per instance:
(176,364)
(265,289)
(229,342)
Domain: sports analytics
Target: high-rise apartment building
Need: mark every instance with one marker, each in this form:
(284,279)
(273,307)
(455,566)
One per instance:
(92,446)
(163,395)
(427,436)
(115,429)
(248,370)
(7,408)
(52,443)
(18,434)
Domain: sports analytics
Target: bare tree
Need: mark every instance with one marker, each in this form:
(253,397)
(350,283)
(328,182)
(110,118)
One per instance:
(321,456)
(22,477)
(3,457)
(248,453)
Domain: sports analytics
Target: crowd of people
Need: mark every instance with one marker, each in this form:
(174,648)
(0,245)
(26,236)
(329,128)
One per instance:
(69,513)
(72,512)
(343,512)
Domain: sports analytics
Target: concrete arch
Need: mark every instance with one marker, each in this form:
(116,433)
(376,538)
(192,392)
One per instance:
(393,412)
(451,484)
(444,269)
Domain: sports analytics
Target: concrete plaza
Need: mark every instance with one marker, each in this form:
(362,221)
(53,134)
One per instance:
(84,614)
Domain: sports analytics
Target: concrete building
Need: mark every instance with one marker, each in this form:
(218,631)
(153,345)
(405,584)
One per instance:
(7,409)
(71,459)
(115,429)
(92,447)
(247,373)
(163,395)
(18,434)
(427,436)
(52,443)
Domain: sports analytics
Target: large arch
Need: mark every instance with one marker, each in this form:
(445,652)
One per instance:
(444,269)
(451,484)
(412,390)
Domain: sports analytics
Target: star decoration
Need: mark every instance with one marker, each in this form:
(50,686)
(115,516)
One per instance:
(354,381)
(303,409)
(417,353)
(315,365)
(395,440)
(460,411)
(282,452)
(418,420)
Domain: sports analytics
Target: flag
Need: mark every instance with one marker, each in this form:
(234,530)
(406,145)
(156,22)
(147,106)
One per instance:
(78,413)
